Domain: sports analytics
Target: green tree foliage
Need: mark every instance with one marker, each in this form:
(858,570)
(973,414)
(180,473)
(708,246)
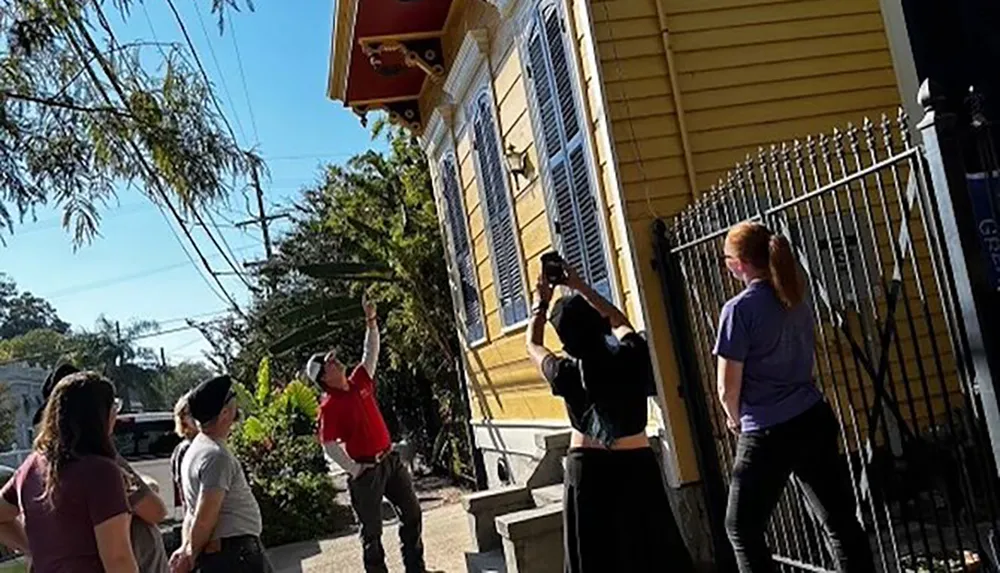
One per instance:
(8,416)
(22,312)
(41,347)
(82,115)
(369,226)
(114,350)
(177,379)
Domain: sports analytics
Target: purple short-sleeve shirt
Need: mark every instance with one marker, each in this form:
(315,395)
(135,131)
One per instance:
(776,346)
(91,491)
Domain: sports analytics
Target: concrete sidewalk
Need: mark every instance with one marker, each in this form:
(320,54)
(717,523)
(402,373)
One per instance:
(446,539)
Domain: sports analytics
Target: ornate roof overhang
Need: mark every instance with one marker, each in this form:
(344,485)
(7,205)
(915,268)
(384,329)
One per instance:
(384,53)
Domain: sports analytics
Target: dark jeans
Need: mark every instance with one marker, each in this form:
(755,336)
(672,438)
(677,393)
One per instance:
(391,479)
(805,447)
(244,554)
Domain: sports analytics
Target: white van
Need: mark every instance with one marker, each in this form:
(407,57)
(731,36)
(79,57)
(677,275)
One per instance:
(147,440)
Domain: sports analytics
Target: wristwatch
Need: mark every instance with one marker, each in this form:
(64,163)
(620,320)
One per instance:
(540,307)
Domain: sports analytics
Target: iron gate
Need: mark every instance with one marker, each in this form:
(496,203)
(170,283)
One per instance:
(858,211)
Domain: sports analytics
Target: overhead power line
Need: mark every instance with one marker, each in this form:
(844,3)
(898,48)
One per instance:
(81,288)
(243,79)
(154,176)
(215,59)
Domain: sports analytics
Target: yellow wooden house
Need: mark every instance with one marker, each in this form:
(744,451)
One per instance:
(573,125)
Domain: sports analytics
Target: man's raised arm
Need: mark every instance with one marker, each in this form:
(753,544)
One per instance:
(369,359)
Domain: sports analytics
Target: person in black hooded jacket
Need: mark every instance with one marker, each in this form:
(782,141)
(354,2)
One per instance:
(616,514)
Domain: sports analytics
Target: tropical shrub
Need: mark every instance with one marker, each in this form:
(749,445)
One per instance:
(284,462)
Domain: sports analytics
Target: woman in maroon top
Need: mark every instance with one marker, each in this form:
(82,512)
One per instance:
(70,490)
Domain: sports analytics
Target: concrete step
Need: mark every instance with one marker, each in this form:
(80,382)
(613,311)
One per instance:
(489,562)
(547,495)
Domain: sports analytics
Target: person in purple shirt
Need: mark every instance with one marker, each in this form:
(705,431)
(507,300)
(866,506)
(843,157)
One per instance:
(66,506)
(765,350)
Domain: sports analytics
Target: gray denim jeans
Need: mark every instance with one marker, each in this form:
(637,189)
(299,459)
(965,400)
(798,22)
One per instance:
(390,479)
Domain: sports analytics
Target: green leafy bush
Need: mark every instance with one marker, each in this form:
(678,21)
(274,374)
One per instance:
(284,462)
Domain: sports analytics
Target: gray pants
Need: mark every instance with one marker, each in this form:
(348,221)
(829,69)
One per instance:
(391,479)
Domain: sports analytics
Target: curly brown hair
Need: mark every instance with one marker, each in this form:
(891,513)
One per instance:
(75,424)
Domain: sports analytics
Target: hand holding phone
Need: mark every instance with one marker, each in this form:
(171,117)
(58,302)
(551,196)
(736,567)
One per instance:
(554,269)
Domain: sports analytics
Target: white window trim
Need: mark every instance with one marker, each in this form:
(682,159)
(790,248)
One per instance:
(468,61)
(433,135)
(485,86)
(447,154)
(526,19)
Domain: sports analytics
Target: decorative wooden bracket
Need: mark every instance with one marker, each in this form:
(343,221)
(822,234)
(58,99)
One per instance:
(402,113)
(425,54)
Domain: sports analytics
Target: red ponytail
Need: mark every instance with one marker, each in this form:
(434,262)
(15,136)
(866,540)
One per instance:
(771,254)
(784,272)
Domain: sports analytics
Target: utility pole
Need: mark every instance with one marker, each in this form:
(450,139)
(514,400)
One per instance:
(262,219)
(260,212)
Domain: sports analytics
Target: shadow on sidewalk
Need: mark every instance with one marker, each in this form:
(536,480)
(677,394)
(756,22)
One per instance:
(289,558)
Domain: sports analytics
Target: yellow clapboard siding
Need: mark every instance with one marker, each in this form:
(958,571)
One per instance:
(684,6)
(616,10)
(624,49)
(463,147)
(776,32)
(531,204)
(641,210)
(522,138)
(507,75)
(654,169)
(650,127)
(735,57)
(754,15)
(535,237)
(767,112)
(641,108)
(530,404)
(477,225)
(648,149)
(621,69)
(626,29)
(790,89)
(656,188)
(748,138)
(619,91)
(484,271)
(757,73)
(514,108)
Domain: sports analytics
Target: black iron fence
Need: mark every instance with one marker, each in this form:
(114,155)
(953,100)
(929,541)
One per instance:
(892,350)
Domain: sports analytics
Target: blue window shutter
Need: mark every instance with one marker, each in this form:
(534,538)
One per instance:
(543,94)
(513,305)
(561,71)
(462,248)
(573,193)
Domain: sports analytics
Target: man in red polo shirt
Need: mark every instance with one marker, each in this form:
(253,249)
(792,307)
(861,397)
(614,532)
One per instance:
(355,436)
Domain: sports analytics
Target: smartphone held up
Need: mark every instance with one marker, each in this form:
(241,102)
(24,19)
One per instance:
(554,268)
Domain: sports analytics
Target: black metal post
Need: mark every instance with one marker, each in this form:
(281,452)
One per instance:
(701,425)
(976,300)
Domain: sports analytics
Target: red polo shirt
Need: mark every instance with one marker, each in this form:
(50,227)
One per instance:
(352,416)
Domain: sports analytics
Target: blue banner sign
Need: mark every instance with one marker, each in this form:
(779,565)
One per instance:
(984,191)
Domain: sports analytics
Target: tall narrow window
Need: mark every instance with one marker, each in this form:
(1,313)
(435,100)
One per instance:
(499,214)
(462,249)
(559,121)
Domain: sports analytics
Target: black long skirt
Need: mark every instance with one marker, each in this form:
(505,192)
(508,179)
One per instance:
(617,517)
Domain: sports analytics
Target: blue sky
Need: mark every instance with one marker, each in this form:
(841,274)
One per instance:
(136,268)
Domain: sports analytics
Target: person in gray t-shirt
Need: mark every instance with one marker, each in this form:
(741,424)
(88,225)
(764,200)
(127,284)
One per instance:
(222,524)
